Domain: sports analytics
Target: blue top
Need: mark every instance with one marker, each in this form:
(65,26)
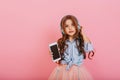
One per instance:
(71,55)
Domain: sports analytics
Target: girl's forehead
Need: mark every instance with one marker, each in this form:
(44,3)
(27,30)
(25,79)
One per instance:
(68,21)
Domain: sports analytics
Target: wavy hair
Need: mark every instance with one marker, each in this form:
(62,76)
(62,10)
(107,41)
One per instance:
(77,36)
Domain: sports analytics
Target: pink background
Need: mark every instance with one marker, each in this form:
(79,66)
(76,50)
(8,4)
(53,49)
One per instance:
(28,26)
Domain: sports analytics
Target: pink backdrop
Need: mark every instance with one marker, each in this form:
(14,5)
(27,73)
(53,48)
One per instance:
(28,26)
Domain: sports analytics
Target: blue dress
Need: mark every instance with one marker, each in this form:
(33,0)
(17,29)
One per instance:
(70,67)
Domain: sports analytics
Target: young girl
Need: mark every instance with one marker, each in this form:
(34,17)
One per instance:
(73,47)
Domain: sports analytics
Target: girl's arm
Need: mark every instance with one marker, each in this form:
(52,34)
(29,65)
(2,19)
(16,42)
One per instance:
(86,39)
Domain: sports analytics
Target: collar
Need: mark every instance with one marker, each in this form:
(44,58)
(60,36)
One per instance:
(67,40)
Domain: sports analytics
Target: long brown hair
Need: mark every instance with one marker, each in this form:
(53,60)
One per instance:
(77,36)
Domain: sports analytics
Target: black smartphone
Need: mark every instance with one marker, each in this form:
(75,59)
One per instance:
(54,51)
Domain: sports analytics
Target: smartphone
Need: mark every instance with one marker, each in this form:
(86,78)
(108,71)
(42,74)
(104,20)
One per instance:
(54,51)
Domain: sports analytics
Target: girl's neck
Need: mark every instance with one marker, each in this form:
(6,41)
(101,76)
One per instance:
(70,39)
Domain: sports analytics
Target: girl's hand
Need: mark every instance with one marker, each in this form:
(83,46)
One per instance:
(81,29)
(57,62)
(50,53)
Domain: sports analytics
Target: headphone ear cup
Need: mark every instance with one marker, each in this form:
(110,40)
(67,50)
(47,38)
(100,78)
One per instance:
(79,27)
(62,31)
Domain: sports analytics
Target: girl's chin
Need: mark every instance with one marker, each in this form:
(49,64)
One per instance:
(71,34)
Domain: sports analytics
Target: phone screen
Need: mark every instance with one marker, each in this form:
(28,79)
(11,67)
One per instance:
(54,50)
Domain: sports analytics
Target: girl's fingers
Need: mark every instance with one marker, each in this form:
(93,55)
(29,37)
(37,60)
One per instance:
(49,52)
(81,28)
(57,62)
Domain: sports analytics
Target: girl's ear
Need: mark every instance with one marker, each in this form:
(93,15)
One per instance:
(62,31)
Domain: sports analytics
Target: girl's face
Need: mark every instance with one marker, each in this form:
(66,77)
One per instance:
(69,28)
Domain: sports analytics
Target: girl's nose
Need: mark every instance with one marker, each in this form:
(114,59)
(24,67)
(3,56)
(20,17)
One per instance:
(70,27)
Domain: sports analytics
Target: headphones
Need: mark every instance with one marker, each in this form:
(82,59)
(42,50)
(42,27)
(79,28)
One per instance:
(62,31)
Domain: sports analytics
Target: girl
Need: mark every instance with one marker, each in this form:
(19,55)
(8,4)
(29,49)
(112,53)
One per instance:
(73,47)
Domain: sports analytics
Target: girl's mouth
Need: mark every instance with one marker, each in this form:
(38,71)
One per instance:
(71,31)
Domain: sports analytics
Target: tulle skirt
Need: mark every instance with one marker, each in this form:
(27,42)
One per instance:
(75,73)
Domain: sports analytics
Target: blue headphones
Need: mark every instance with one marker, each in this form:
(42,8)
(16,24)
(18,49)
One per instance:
(62,31)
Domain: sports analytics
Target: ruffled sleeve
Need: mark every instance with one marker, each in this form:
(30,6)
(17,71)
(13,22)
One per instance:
(88,47)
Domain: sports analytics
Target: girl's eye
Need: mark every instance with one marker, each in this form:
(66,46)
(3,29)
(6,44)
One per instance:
(73,25)
(66,26)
